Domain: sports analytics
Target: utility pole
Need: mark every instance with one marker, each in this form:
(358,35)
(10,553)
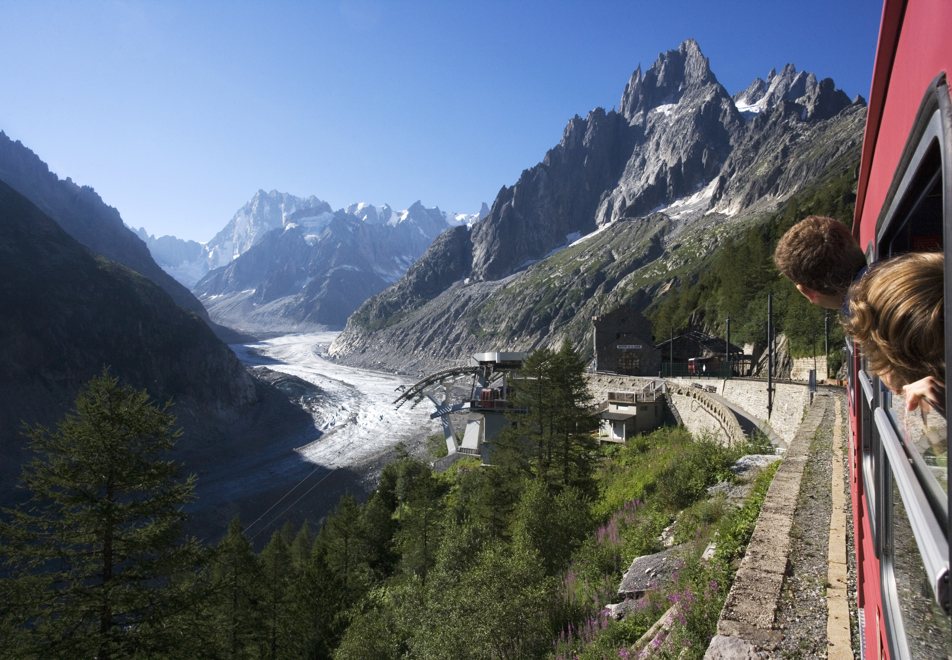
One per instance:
(671,353)
(826,345)
(770,387)
(727,349)
(594,344)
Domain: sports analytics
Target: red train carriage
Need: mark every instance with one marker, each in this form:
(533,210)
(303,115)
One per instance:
(898,462)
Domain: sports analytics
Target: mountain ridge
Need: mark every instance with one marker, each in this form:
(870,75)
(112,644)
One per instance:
(649,188)
(315,270)
(86,217)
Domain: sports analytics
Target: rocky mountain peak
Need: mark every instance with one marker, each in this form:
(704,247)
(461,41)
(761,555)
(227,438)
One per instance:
(375,215)
(262,213)
(821,100)
(669,78)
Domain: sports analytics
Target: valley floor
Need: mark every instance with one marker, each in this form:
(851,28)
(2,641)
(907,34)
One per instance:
(355,428)
(356,419)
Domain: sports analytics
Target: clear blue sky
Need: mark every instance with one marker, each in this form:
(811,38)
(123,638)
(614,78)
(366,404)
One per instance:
(178,112)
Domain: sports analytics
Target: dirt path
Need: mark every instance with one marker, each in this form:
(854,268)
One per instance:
(802,615)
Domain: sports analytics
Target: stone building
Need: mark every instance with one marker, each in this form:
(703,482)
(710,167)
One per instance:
(624,414)
(623,344)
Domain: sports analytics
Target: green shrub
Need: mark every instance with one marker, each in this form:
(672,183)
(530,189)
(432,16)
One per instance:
(695,521)
(735,530)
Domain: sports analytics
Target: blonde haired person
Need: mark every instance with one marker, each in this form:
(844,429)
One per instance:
(897,315)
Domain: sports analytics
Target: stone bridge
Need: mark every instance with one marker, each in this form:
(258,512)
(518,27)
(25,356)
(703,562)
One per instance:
(730,409)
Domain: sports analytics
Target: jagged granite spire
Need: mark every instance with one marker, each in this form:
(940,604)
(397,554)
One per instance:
(667,80)
(821,100)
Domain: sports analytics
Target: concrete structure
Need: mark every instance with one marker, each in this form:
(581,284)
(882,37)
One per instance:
(623,344)
(722,407)
(487,404)
(625,414)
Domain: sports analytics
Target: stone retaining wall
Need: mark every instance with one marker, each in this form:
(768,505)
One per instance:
(700,413)
(802,366)
(790,400)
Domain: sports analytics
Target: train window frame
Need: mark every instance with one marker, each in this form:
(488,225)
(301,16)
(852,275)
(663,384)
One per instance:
(871,455)
(924,168)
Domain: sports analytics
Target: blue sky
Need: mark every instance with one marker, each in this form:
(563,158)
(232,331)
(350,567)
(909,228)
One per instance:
(178,112)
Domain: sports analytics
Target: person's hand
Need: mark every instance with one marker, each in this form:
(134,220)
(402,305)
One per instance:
(925,394)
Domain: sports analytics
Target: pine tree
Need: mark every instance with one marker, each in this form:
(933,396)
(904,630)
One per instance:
(573,420)
(342,541)
(418,538)
(237,579)
(93,555)
(278,575)
(554,432)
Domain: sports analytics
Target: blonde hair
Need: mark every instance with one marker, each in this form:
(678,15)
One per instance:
(897,314)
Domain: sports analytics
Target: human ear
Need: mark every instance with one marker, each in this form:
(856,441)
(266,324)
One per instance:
(809,294)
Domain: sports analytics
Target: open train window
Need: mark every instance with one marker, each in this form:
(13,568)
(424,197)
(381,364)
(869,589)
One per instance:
(908,452)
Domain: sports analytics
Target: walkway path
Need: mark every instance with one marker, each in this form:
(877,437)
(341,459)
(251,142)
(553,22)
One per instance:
(789,597)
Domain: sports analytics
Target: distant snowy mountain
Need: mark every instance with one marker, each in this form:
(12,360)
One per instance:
(189,261)
(265,211)
(790,85)
(316,269)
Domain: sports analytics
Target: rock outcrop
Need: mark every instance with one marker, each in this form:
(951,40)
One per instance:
(624,205)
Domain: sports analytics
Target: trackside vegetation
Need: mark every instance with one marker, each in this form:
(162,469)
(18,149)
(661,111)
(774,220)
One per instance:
(519,559)
(743,274)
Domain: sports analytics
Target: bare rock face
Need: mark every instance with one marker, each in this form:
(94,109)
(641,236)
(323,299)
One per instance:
(654,187)
(449,259)
(554,199)
(674,129)
(688,125)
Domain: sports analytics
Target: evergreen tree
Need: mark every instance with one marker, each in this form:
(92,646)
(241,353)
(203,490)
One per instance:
(277,574)
(237,577)
(342,541)
(301,545)
(553,425)
(574,423)
(316,619)
(92,555)
(378,530)
(418,537)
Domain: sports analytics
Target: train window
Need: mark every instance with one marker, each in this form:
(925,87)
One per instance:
(919,612)
(906,455)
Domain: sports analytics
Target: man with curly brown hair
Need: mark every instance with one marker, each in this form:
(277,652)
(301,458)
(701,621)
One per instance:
(821,257)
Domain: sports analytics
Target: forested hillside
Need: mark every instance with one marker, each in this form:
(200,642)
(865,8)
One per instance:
(514,560)
(737,278)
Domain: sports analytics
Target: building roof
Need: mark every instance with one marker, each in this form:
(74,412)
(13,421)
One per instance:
(616,416)
(698,341)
